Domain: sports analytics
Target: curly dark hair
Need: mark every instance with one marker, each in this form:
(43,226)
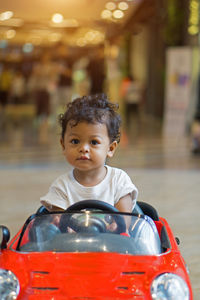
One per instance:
(93,109)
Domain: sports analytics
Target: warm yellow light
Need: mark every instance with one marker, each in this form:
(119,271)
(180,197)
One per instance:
(118,14)
(94,36)
(81,42)
(6,15)
(106,14)
(90,35)
(57,18)
(123,5)
(110,5)
(10,33)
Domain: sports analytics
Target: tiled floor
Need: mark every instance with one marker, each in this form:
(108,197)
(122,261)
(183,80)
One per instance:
(164,170)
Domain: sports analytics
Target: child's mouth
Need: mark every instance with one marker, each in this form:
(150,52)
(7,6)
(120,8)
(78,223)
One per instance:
(83,158)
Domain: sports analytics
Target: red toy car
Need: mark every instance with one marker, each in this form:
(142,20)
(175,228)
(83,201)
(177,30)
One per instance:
(87,252)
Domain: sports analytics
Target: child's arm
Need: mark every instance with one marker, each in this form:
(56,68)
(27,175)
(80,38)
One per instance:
(125,204)
(56,208)
(52,208)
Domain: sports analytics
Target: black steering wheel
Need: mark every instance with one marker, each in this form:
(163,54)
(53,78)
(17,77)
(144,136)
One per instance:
(95,224)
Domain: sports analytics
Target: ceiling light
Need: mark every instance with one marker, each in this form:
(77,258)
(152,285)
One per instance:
(6,15)
(57,18)
(110,5)
(94,36)
(123,5)
(106,14)
(118,14)
(98,39)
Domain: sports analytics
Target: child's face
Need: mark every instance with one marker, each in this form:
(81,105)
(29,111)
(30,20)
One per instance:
(86,146)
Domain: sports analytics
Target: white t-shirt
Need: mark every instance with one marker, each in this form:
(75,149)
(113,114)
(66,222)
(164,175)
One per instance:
(66,190)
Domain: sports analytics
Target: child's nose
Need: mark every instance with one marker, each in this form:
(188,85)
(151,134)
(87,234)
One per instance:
(84,147)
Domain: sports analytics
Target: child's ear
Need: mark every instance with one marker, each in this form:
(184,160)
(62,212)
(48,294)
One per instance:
(112,149)
(62,144)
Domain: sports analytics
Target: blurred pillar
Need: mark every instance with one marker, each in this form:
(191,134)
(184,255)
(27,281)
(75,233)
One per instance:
(168,28)
(156,69)
(166,23)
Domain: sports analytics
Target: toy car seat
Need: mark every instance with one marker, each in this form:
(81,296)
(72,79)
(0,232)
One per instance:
(146,209)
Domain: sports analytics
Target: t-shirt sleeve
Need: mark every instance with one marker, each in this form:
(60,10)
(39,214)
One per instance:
(55,197)
(125,186)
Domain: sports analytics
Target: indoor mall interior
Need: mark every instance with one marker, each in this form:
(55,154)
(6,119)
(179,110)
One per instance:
(144,60)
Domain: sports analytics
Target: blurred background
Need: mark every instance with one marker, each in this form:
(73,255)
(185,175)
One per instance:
(145,54)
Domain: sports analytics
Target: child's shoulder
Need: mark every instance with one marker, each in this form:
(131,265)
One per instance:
(115,171)
(65,177)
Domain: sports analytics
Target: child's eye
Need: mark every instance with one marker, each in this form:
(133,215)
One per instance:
(94,142)
(74,141)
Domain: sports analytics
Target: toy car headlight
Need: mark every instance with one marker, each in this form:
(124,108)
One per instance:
(9,285)
(169,286)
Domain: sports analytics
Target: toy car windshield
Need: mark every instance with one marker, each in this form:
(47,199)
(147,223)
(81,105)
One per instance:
(89,231)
